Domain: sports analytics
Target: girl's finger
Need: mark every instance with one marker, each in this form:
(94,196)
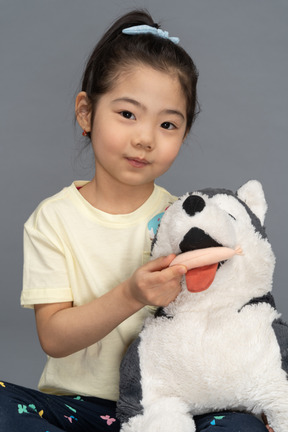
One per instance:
(160,263)
(176,271)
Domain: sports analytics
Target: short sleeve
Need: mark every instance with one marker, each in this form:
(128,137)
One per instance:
(45,275)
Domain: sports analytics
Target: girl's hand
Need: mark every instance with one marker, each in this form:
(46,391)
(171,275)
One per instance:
(155,283)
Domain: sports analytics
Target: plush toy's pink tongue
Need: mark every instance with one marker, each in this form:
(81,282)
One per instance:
(200,278)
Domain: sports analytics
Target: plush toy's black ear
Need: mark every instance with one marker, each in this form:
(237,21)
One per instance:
(253,195)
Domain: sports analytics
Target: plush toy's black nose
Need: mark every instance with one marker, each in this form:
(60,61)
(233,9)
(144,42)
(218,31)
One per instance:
(193,204)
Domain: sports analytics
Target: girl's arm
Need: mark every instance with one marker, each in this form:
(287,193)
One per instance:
(64,329)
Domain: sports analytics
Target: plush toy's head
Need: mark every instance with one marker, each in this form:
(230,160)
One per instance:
(216,218)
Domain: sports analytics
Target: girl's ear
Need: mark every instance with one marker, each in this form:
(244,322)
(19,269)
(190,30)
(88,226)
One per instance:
(83,111)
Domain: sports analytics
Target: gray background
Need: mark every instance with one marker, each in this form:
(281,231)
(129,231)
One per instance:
(240,48)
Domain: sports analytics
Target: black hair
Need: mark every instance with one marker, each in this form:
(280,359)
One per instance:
(116,51)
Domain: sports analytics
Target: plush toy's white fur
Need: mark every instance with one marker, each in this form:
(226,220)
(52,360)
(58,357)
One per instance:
(218,350)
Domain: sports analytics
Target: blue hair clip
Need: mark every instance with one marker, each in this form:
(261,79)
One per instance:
(144,29)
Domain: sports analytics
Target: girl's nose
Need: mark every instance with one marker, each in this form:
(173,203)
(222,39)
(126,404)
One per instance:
(142,144)
(144,139)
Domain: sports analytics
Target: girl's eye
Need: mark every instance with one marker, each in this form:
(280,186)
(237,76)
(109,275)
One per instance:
(168,125)
(128,115)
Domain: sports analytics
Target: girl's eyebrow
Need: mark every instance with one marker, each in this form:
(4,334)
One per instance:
(175,112)
(127,99)
(138,104)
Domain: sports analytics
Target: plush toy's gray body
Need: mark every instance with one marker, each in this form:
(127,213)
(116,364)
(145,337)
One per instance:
(223,348)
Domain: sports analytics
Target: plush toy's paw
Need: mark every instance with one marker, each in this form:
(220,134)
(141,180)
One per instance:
(165,415)
(160,424)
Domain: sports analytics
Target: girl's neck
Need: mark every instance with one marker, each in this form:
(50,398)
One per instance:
(121,200)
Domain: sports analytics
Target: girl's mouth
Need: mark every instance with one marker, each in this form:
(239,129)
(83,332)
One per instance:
(137,162)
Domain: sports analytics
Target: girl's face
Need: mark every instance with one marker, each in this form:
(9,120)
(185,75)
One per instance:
(138,127)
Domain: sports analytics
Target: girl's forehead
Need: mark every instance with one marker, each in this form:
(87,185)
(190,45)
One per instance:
(142,71)
(144,81)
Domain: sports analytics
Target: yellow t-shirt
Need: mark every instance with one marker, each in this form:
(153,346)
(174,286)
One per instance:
(75,252)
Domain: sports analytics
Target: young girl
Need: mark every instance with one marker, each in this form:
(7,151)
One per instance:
(87,272)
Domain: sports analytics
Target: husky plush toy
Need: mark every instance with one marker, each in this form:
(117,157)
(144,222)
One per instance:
(220,348)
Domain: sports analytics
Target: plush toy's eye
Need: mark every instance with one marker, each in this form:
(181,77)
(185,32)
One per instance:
(232,216)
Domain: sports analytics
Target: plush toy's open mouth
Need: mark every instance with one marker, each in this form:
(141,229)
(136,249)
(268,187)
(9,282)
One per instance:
(202,256)
(200,278)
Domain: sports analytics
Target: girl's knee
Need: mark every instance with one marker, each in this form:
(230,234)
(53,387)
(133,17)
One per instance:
(4,395)
(6,410)
(229,422)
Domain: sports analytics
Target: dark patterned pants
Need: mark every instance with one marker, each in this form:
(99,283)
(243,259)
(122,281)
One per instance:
(26,410)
